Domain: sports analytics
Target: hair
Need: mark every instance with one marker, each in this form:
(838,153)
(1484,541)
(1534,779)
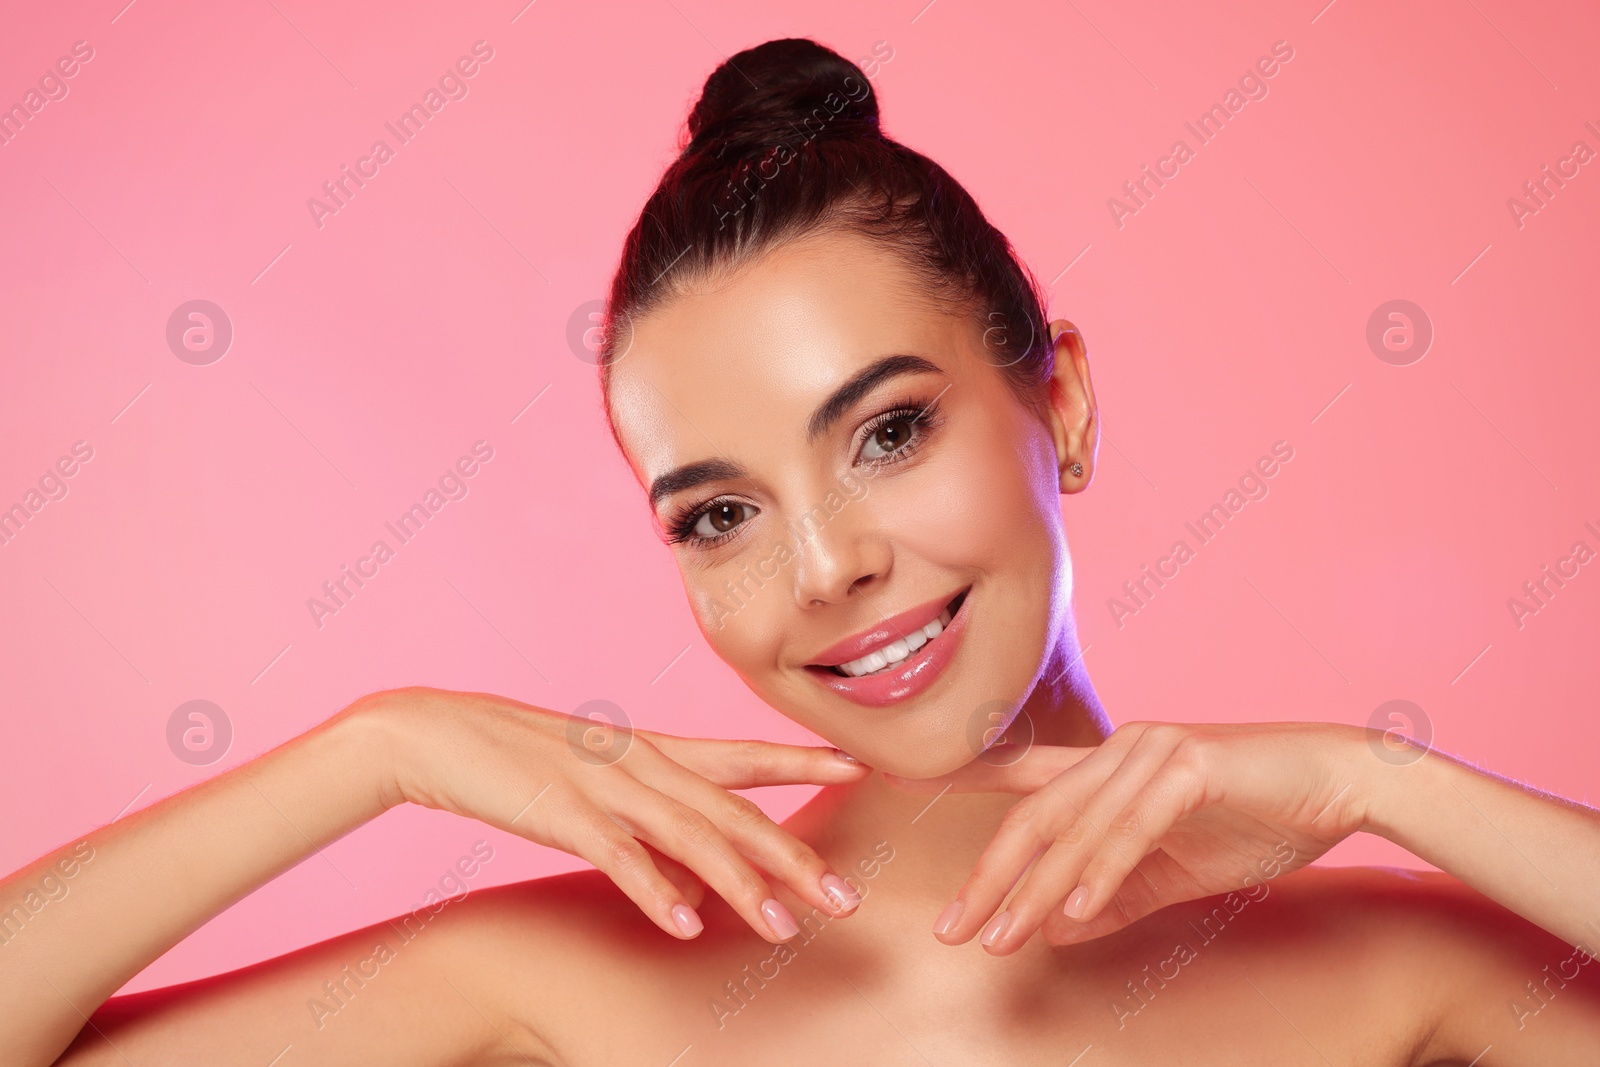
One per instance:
(785,142)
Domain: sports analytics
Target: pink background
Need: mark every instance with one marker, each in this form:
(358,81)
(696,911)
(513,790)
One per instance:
(370,353)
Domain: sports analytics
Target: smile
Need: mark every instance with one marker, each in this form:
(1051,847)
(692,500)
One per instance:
(899,658)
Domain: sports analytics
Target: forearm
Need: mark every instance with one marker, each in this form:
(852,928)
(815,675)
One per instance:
(161,873)
(1536,854)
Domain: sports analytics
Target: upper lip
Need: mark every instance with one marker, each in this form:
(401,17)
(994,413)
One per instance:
(886,632)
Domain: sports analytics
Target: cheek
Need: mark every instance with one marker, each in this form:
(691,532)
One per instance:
(988,502)
(739,612)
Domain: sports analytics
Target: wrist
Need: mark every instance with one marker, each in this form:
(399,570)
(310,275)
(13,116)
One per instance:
(364,737)
(1390,768)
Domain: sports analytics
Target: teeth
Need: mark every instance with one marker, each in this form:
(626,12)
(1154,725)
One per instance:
(895,651)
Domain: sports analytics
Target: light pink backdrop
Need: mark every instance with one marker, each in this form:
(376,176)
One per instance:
(369,353)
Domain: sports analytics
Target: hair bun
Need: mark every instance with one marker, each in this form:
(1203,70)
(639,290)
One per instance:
(778,91)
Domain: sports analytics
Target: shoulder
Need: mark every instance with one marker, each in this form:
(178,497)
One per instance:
(1445,966)
(571,964)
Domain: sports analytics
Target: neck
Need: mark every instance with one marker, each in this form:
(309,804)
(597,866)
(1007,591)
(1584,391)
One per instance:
(937,839)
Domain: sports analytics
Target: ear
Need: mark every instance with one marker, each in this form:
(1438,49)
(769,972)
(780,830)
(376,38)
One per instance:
(1074,419)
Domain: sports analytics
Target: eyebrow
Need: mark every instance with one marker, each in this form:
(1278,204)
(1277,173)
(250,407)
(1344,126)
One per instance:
(692,474)
(865,381)
(827,413)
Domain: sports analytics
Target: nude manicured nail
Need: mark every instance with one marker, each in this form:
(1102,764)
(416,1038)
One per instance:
(1077,903)
(840,892)
(687,922)
(779,919)
(948,917)
(842,754)
(997,927)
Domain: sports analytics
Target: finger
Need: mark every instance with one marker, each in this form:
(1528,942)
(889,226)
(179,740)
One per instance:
(1028,774)
(1175,791)
(623,859)
(1031,826)
(687,882)
(1157,882)
(772,848)
(743,764)
(1054,818)
(1090,809)
(695,841)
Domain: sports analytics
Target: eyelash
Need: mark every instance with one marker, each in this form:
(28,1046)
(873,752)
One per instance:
(680,527)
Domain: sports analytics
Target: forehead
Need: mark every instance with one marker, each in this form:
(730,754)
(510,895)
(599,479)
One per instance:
(768,340)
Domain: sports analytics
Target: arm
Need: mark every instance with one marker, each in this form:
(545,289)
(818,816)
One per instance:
(1532,852)
(157,875)
(1161,813)
(152,878)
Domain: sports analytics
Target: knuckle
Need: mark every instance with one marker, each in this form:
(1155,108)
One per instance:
(749,756)
(1191,755)
(1130,732)
(744,812)
(1074,833)
(1128,825)
(1019,819)
(623,855)
(803,857)
(690,827)
(1165,734)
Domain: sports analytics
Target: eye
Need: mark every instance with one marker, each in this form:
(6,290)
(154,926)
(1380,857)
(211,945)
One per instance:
(722,518)
(890,435)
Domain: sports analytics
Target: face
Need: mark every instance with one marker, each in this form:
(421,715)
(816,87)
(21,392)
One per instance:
(865,513)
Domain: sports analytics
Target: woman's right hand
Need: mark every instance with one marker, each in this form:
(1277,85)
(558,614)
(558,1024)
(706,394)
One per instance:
(604,793)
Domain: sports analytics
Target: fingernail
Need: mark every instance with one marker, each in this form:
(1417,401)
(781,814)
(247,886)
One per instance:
(1077,903)
(948,917)
(996,927)
(845,756)
(840,892)
(687,922)
(779,919)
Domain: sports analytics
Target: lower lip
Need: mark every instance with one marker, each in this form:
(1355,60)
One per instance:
(910,677)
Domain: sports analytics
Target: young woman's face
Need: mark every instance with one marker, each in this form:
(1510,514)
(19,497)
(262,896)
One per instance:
(839,466)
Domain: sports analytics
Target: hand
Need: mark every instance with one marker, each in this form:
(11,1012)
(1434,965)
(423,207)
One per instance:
(633,803)
(1157,814)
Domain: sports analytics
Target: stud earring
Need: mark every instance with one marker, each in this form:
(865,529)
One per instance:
(1076,469)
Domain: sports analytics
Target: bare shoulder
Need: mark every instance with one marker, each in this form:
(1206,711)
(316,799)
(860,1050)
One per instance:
(571,964)
(1429,957)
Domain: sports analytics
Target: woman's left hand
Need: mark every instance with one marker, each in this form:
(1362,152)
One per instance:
(1157,814)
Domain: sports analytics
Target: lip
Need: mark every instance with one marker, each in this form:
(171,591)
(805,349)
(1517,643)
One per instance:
(909,677)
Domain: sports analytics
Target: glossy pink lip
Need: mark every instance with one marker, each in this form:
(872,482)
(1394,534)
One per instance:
(887,632)
(909,677)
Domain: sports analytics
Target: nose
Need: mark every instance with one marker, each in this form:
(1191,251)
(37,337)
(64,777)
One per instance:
(840,553)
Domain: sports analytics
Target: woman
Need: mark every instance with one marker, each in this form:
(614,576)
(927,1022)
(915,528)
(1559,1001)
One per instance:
(853,424)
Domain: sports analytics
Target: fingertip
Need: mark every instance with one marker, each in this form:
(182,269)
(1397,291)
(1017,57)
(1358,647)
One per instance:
(686,922)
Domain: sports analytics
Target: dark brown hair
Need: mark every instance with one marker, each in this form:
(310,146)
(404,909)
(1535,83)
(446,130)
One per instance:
(785,141)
